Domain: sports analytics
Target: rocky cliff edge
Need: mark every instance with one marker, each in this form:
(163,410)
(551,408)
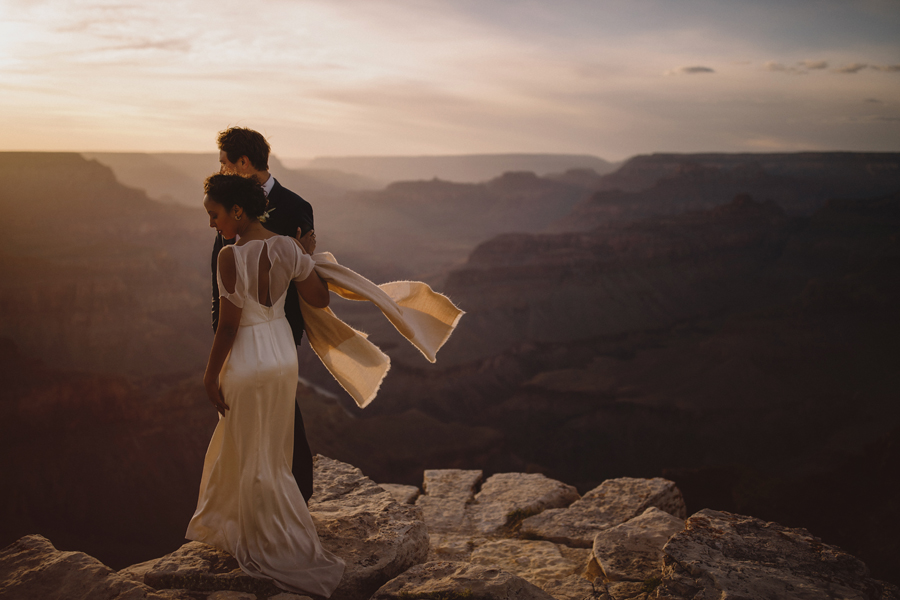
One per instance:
(510,536)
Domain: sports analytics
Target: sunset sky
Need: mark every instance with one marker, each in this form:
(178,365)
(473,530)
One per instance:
(398,77)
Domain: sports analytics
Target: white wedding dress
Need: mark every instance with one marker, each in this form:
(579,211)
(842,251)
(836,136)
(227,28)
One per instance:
(249,503)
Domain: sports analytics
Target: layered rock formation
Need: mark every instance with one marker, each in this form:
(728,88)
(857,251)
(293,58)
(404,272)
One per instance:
(666,184)
(371,229)
(644,275)
(95,275)
(393,550)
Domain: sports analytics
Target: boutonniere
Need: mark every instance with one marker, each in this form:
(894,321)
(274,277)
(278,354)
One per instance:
(265,216)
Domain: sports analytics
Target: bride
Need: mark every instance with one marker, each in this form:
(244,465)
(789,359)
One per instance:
(249,504)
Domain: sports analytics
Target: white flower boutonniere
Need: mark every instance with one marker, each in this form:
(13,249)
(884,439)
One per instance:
(265,216)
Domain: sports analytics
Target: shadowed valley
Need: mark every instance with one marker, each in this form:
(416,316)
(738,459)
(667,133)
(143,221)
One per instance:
(727,321)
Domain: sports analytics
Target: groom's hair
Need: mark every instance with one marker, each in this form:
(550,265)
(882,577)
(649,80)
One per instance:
(239,141)
(231,190)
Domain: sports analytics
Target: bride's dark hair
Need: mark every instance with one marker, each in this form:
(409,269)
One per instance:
(236,190)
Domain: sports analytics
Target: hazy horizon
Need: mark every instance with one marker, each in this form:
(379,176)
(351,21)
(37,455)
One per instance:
(397,78)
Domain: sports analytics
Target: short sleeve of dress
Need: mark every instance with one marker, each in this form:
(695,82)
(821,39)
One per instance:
(236,297)
(303,265)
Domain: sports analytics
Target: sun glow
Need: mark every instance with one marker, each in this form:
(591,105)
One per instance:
(388,77)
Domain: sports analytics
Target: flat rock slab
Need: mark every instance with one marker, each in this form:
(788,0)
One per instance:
(723,555)
(355,519)
(462,581)
(459,520)
(451,483)
(629,590)
(452,547)
(540,563)
(447,493)
(228,595)
(32,568)
(575,587)
(507,498)
(404,494)
(613,502)
(633,551)
(200,567)
(536,561)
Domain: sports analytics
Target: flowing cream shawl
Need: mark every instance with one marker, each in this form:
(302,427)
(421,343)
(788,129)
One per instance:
(421,315)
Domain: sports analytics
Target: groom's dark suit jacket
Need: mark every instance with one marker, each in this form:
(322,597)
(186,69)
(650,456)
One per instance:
(287,212)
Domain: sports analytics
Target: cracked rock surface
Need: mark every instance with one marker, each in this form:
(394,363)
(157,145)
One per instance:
(32,568)
(633,551)
(611,503)
(624,540)
(356,519)
(465,581)
(724,555)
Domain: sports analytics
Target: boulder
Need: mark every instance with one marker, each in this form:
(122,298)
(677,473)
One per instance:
(447,494)
(633,551)
(724,555)
(459,520)
(229,595)
(540,563)
(451,483)
(201,568)
(630,590)
(454,580)
(576,587)
(355,518)
(611,503)
(32,568)
(404,494)
(507,498)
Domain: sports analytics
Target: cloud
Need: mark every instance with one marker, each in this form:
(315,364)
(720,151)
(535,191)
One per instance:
(177,45)
(872,100)
(805,66)
(851,68)
(691,70)
(779,67)
(813,65)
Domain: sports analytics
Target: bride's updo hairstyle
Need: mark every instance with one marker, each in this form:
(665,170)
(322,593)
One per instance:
(236,190)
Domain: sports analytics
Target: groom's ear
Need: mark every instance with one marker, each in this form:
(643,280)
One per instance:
(242,165)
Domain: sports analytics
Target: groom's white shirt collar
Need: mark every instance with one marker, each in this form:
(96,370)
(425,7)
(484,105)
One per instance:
(268,185)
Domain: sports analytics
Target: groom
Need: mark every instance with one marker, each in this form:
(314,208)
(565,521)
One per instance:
(246,152)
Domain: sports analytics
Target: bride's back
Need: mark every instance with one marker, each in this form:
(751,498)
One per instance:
(265,270)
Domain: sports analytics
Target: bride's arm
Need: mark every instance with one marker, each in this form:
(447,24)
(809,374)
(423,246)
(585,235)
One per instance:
(229,321)
(313,289)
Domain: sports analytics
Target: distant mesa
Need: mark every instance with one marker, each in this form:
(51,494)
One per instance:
(177,177)
(667,184)
(465,168)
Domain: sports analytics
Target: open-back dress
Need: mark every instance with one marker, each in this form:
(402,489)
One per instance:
(249,503)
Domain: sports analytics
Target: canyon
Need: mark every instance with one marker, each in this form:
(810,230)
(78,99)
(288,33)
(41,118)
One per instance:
(724,321)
